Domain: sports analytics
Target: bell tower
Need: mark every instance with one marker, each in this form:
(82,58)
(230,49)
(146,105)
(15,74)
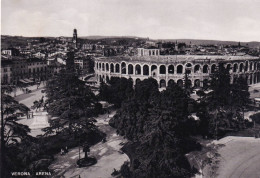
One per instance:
(75,38)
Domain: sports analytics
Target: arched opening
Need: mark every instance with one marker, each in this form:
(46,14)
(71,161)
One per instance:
(197,83)
(162,69)
(251,66)
(235,68)
(197,69)
(137,69)
(130,69)
(189,84)
(162,83)
(255,66)
(123,68)
(171,82)
(241,66)
(255,78)
(112,68)
(205,69)
(117,68)
(154,70)
(213,68)
(188,68)
(107,67)
(137,80)
(103,67)
(170,69)
(246,66)
(205,83)
(99,66)
(179,69)
(145,70)
(180,83)
(251,79)
(229,67)
(107,79)
(100,79)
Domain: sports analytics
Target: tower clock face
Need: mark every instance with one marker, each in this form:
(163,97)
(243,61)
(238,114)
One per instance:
(74,41)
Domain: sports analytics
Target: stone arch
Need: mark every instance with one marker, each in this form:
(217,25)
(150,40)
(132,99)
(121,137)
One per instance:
(112,68)
(179,69)
(162,83)
(197,83)
(162,69)
(205,69)
(99,64)
(130,69)
(170,69)
(117,68)
(123,68)
(235,67)
(171,82)
(103,67)
(154,70)
(145,70)
(137,69)
(180,83)
(213,68)
(255,65)
(241,67)
(197,68)
(107,67)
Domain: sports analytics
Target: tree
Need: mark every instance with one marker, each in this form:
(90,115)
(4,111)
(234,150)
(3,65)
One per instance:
(69,100)
(11,131)
(159,125)
(116,91)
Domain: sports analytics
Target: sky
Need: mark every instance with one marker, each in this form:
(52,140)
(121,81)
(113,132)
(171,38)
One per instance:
(229,20)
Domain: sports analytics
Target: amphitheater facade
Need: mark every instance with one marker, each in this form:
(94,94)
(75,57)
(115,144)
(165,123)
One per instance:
(166,69)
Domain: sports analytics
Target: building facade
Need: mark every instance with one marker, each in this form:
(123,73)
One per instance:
(166,69)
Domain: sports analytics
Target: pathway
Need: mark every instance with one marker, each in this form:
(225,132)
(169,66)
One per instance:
(240,158)
(40,119)
(108,156)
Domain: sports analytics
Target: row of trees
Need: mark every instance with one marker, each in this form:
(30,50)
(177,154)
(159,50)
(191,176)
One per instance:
(160,124)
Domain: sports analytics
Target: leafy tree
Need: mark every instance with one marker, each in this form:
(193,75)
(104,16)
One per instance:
(116,91)
(11,131)
(159,125)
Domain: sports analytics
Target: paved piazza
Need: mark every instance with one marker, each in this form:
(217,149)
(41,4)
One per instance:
(166,69)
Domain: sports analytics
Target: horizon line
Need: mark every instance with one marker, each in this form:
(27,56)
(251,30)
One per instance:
(130,36)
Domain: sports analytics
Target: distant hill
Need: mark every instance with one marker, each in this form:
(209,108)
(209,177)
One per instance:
(6,40)
(252,44)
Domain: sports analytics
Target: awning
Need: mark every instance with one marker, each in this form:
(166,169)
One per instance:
(28,80)
(21,80)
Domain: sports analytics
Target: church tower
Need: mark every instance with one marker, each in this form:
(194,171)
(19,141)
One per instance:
(75,38)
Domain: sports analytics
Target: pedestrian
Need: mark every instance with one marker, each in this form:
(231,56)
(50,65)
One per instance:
(61,151)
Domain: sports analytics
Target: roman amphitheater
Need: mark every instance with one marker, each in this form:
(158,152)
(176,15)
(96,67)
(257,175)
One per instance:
(166,69)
